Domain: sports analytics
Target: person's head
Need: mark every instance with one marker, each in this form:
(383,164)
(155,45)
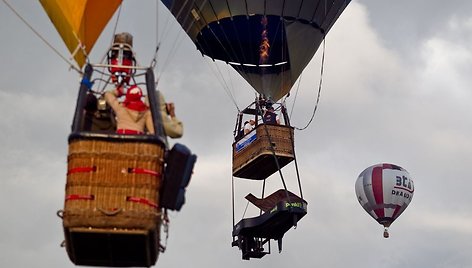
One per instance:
(121,58)
(133,99)
(134,93)
(252,121)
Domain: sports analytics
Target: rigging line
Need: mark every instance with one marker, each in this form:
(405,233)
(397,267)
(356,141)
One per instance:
(71,65)
(175,47)
(176,44)
(271,143)
(210,29)
(296,94)
(164,33)
(232,197)
(222,81)
(296,165)
(240,68)
(316,11)
(284,110)
(262,194)
(154,59)
(157,23)
(167,27)
(114,31)
(319,86)
(232,51)
(281,27)
(231,85)
(300,8)
(112,38)
(225,86)
(244,213)
(240,46)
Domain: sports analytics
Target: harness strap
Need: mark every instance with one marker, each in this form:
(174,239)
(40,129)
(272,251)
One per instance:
(80,197)
(143,171)
(129,131)
(141,201)
(81,170)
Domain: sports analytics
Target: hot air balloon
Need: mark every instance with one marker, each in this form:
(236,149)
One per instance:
(119,184)
(268,43)
(384,191)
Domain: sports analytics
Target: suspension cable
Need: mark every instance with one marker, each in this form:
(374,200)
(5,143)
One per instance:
(71,65)
(219,75)
(232,198)
(272,149)
(296,165)
(175,45)
(319,86)
(102,60)
(154,59)
(296,95)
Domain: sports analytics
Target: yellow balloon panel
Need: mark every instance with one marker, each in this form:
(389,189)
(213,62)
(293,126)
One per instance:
(80,21)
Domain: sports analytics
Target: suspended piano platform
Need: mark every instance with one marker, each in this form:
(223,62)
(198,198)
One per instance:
(111,213)
(253,154)
(282,211)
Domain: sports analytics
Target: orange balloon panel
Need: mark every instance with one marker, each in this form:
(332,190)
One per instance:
(80,21)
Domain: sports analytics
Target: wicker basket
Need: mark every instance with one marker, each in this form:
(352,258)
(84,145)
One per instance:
(253,155)
(112,188)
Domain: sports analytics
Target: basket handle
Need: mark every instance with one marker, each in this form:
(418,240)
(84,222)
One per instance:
(110,213)
(60,213)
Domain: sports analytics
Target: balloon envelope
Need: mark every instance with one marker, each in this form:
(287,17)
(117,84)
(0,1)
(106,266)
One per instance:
(80,22)
(384,191)
(268,42)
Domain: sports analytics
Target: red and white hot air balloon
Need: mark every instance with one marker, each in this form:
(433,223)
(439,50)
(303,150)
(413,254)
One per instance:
(384,191)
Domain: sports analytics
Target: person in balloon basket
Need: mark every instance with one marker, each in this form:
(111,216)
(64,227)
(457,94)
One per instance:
(137,119)
(97,115)
(173,127)
(249,125)
(270,117)
(132,115)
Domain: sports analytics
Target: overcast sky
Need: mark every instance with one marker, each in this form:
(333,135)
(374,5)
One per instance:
(396,88)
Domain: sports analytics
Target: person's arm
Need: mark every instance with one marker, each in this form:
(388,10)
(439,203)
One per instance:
(112,100)
(172,125)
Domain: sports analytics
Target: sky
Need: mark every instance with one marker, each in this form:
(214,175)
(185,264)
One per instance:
(396,89)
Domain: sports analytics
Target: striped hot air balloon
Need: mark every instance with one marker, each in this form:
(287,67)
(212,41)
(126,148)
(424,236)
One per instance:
(384,191)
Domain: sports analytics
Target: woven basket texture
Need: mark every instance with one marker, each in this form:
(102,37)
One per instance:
(112,183)
(281,138)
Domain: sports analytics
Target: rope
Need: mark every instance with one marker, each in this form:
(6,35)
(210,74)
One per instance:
(175,46)
(232,198)
(113,34)
(276,159)
(219,75)
(165,223)
(71,65)
(319,87)
(296,94)
(296,166)
(154,59)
